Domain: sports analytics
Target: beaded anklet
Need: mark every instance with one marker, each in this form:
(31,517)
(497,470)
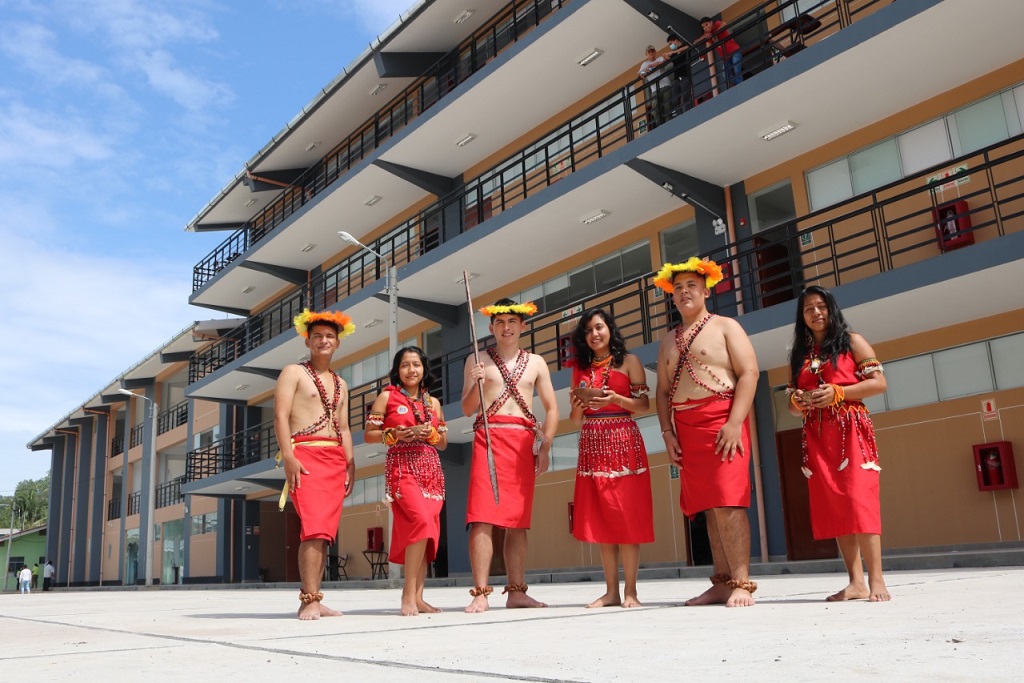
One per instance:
(306,598)
(720,578)
(484,591)
(748,585)
(515,588)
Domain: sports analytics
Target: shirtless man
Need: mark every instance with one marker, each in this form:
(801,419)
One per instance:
(510,376)
(707,375)
(311,424)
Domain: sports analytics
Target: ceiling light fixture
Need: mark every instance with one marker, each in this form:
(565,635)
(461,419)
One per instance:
(248,289)
(250,203)
(594,217)
(589,57)
(778,130)
(241,387)
(373,323)
(379,89)
(461,19)
(308,248)
(468,138)
(373,200)
(313,145)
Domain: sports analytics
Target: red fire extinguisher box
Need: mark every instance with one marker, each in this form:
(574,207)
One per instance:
(952,225)
(994,465)
(375,538)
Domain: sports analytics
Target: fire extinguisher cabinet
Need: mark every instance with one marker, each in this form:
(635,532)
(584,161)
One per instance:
(375,539)
(952,222)
(993,463)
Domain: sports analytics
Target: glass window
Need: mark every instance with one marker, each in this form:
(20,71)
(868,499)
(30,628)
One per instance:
(581,283)
(875,404)
(829,184)
(924,146)
(636,261)
(963,371)
(357,492)
(680,242)
(875,166)
(565,451)
(1006,361)
(771,206)
(911,382)
(981,124)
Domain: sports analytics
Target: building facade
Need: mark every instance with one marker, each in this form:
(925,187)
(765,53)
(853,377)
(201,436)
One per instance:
(856,149)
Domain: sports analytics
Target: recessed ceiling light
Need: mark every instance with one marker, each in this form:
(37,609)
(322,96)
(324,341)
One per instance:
(589,57)
(373,200)
(461,19)
(776,131)
(241,387)
(373,323)
(308,248)
(250,203)
(594,217)
(313,145)
(248,289)
(466,139)
(379,89)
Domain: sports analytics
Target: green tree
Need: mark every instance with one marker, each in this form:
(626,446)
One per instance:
(29,504)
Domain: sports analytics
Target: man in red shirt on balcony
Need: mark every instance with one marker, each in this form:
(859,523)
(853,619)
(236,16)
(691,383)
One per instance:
(311,424)
(728,50)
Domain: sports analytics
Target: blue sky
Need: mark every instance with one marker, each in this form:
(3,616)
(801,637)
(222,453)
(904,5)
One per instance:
(119,121)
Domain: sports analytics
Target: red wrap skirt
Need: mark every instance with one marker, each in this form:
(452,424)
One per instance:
(706,481)
(415,489)
(320,494)
(512,446)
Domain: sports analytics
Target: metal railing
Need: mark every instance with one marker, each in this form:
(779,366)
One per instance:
(175,416)
(113,509)
(236,450)
(135,436)
(504,29)
(621,117)
(134,503)
(117,445)
(169,493)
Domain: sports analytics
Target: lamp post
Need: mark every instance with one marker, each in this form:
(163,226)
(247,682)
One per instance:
(10,532)
(394,570)
(151,506)
(392,288)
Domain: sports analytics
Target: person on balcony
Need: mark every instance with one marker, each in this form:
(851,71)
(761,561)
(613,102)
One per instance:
(707,376)
(409,421)
(519,445)
(612,501)
(727,49)
(658,87)
(832,371)
(311,424)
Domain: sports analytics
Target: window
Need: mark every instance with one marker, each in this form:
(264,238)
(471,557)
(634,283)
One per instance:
(830,184)
(980,125)
(771,206)
(875,166)
(1006,361)
(680,242)
(204,524)
(962,371)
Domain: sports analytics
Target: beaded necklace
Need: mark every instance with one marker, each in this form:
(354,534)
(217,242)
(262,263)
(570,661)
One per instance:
(330,415)
(424,415)
(686,360)
(602,364)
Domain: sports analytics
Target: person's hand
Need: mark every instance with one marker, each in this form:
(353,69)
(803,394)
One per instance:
(675,452)
(350,478)
(822,397)
(476,372)
(293,471)
(729,441)
(405,434)
(598,402)
(543,459)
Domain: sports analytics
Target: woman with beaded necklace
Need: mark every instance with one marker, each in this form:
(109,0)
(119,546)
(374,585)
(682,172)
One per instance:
(408,420)
(612,503)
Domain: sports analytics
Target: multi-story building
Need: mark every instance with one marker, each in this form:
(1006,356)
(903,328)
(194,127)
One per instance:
(873,147)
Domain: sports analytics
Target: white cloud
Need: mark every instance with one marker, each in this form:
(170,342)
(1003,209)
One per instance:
(375,15)
(37,138)
(188,90)
(33,47)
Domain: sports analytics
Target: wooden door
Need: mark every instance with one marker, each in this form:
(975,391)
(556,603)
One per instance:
(796,507)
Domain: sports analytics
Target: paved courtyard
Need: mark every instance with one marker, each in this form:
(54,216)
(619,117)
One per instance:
(943,625)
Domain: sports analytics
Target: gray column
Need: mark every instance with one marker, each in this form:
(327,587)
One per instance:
(771,480)
(63,563)
(53,511)
(100,448)
(126,491)
(80,541)
(189,437)
(149,461)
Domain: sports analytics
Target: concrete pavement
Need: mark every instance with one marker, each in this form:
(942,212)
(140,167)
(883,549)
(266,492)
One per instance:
(942,625)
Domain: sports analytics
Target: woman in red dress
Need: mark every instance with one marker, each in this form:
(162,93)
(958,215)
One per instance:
(832,371)
(409,422)
(612,502)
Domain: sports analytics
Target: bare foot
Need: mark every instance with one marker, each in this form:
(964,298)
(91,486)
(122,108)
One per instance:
(851,592)
(326,611)
(740,597)
(606,600)
(426,607)
(518,599)
(718,594)
(879,593)
(409,608)
(309,611)
(631,601)
(478,605)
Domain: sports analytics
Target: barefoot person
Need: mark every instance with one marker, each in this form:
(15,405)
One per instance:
(519,443)
(311,424)
(707,375)
(408,420)
(832,370)
(612,502)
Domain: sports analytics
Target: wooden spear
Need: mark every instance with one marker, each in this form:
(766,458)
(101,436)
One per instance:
(491,469)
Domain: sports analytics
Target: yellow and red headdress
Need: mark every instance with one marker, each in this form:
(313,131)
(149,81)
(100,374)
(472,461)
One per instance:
(303,321)
(711,271)
(522,310)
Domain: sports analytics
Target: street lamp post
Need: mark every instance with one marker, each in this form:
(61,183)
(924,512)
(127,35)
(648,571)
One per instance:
(394,570)
(10,532)
(151,506)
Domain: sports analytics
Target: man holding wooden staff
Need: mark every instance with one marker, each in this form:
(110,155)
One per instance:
(518,448)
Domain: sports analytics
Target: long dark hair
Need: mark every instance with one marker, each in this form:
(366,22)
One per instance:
(837,337)
(582,353)
(428,376)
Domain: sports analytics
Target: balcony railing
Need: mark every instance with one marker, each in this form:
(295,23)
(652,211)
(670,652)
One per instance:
(134,503)
(173,417)
(113,509)
(504,29)
(117,445)
(169,493)
(135,436)
(626,114)
(241,448)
